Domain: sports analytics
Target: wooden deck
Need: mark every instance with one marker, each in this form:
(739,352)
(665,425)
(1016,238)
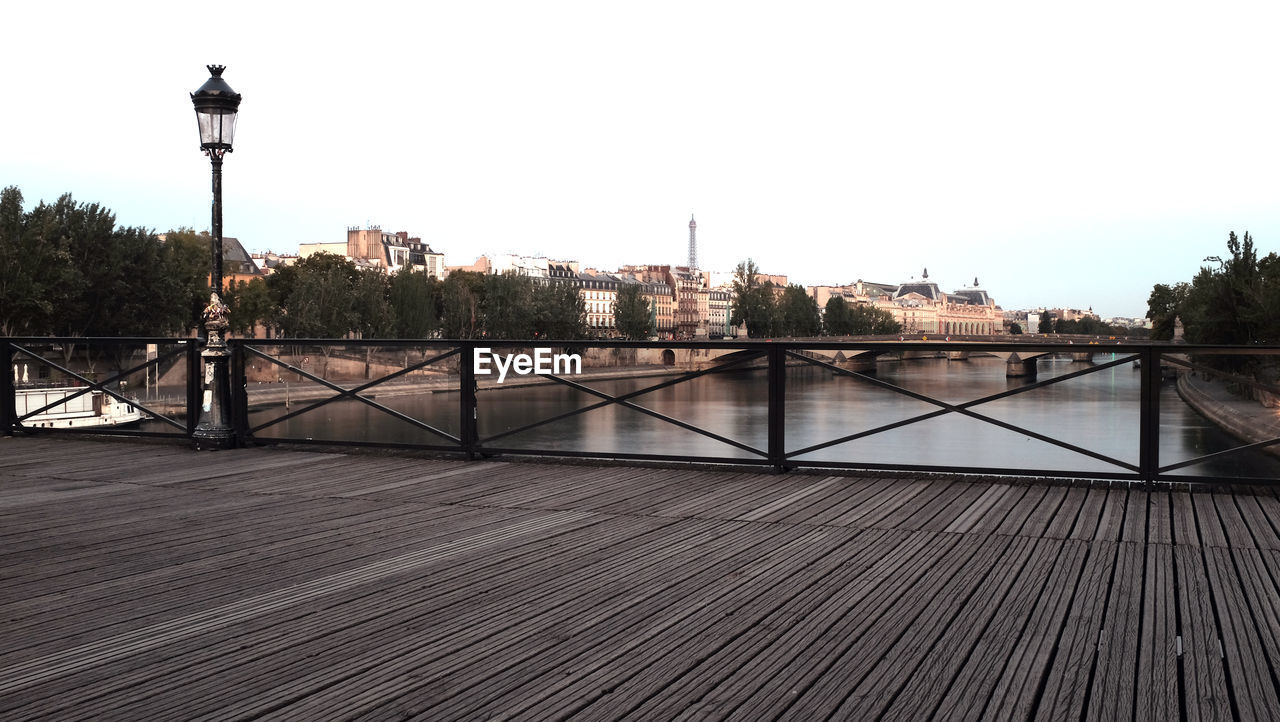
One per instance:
(146,581)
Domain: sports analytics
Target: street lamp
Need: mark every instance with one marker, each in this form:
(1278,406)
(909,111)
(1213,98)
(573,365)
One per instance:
(216,105)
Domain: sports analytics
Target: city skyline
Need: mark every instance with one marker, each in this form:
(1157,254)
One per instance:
(1064,160)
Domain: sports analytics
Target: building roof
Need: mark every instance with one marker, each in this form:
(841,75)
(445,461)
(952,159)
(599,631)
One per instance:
(973,296)
(236,260)
(926,289)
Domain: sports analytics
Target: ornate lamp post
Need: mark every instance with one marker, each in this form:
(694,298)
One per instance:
(216,105)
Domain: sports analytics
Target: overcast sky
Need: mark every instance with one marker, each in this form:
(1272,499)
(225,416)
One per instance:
(1070,154)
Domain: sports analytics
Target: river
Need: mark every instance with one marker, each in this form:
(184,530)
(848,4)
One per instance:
(1097,411)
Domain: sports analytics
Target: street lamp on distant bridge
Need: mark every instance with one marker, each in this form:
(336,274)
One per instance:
(216,106)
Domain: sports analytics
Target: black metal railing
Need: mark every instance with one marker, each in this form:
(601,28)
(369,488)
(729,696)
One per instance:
(447,403)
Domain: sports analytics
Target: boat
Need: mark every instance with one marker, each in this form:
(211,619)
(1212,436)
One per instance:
(90,409)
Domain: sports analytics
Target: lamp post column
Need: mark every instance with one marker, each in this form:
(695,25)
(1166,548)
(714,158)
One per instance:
(216,106)
(214,430)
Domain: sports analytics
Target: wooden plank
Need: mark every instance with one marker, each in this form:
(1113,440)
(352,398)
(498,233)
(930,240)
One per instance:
(996,496)
(1066,685)
(972,495)
(1204,677)
(1042,516)
(1184,519)
(1114,511)
(977,674)
(728,654)
(1260,525)
(854,494)
(755,610)
(1065,518)
(1113,684)
(128,593)
(1017,683)
(903,506)
(346,630)
(998,514)
(1233,523)
(897,495)
(1261,583)
(1005,596)
(1135,516)
(1267,517)
(1159,518)
(1251,676)
(775,508)
(1091,509)
(373,674)
(1156,694)
(1207,522)
(920,616)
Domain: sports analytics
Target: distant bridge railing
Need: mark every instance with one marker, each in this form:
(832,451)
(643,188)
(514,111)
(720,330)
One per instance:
(777,404)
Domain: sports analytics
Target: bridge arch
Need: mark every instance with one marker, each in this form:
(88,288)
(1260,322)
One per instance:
(668,357)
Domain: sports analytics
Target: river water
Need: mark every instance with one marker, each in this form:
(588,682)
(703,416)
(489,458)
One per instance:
(1097,411)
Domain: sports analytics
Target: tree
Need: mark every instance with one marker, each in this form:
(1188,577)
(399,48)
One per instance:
(31,269)
(797,314)
(313,298)
(1162,308)
(631,313)
(753,302)
(1046,324)
(460,305)
(836,320)
(370,307)
(250,304)
(188,260)
(1236,303)
(1015,329)
(66,269)
(867,320)
(507,300)
(415,304)
(559,312)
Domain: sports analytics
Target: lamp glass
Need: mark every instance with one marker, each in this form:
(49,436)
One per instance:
(217,128)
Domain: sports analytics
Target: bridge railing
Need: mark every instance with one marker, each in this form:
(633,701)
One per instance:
(1037,411)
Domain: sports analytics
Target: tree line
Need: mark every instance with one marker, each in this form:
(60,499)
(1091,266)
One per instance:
(328,296)
(67,269)
(1087,326)
(1237,302)
(1233,301)
(793,313)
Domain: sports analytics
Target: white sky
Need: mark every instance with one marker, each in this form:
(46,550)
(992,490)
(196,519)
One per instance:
(1066,154)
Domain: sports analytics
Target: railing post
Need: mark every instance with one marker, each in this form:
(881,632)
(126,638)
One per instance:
(467,404)
(777,406)
(1149,416)
(194,384)
(239,395)
(8,392)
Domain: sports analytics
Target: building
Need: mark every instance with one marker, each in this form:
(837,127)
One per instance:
(659,292)
(923,307)
(719,312)
(599,293)
(237,265)
(374,248)
(686,284)
(268,262)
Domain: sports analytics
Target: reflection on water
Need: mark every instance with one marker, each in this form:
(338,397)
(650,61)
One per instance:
(1098,412)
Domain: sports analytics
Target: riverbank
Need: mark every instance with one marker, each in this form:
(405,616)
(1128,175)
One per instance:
(262,395)
(1244,419)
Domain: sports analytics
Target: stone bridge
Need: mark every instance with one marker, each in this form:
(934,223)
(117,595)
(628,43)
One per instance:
(1018,363)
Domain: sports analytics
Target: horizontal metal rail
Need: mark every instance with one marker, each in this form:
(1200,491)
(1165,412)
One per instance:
(770,359)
